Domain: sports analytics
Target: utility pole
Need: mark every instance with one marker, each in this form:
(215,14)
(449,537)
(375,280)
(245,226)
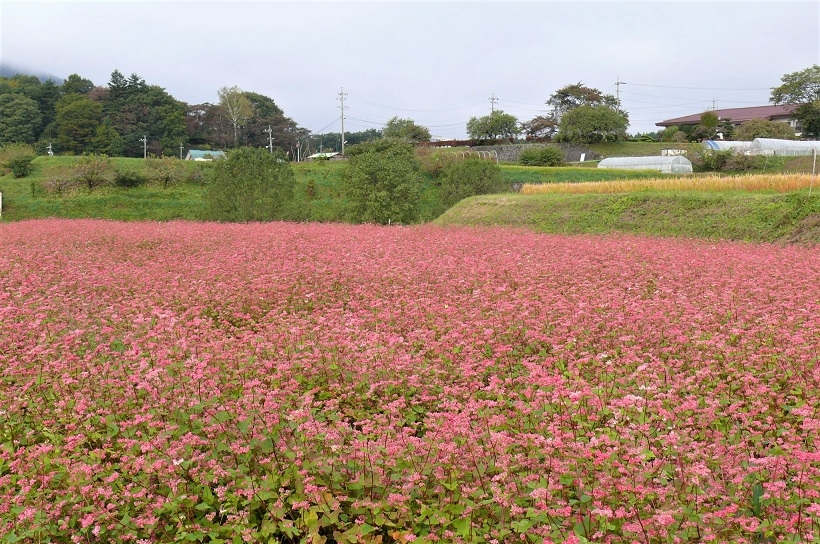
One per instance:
(181,147)
(618,84)
(270,138)
(144,141)
(493,99)
(342,96)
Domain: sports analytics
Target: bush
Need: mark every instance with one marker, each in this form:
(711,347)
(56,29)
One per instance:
(471,177)
(128,179)
(168,170)
(382,182)
(251,184)
(542,156)
(59,179)
(17,159)
(94,171)
(710,160)
(434,161)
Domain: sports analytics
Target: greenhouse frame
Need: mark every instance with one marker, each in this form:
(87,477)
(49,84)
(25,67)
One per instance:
(789,148)
(669,164)
(725,145)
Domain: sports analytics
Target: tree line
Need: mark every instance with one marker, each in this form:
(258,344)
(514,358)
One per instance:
(131,118)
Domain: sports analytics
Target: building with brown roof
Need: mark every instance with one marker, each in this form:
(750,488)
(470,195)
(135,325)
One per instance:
(738,116)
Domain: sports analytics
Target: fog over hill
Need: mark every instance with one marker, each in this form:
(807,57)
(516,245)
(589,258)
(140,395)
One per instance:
(7,70)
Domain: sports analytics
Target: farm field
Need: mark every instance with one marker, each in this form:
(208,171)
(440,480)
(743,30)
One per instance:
(287,383)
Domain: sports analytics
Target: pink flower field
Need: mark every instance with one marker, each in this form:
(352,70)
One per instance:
(285,383)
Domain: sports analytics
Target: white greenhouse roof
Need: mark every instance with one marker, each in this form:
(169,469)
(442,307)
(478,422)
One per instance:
(771,146)
(723,145)
(662,163)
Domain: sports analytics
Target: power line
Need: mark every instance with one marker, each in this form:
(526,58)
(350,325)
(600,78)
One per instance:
(696,88)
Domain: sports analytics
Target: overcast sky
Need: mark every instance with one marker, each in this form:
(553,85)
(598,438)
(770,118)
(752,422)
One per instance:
(438,63)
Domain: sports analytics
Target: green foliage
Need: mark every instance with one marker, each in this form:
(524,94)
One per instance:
(382,182)
(78,119)
(470,177)
(803,90)
(58,179)
(405,129)
(497,125)
(591,124)
(576,95)
(167,171)
(763,128)
(17,158)
(94,171)
(251,184)
(705,160)
(129,178)
(541,156)
(19,119)
(709,120)
(435,160)
(540,128)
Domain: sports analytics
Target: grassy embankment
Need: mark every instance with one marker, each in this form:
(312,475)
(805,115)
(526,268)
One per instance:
(760,208)
(318,189)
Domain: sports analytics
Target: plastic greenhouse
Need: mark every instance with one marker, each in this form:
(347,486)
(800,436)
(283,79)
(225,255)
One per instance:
(724,145)
(674,164)
(770,146)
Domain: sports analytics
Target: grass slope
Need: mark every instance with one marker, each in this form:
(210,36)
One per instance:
(791,217)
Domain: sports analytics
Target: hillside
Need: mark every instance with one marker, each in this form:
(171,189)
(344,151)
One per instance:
(777,218)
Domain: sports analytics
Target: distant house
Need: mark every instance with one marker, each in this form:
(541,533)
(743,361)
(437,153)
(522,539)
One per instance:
(204,155)
(738,116)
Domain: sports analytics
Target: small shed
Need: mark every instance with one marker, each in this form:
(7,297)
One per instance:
(672,164)
(204,155)
(724,145)
(791,148)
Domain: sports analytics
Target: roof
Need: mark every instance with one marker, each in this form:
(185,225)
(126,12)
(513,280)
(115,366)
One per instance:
(201,154)
(323,155)
(736,115)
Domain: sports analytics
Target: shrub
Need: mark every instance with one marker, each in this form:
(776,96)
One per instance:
(471,177)
(435,161)
(542,156)
(59,179)
(17,158)
(251,184)
(710,160)
(167,170)
(128,178)
(94,171)
(382,182)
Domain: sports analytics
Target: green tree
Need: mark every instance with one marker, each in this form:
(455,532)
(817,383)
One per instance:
(237,107)
(77,121)
(763,128)
(470,177)
(74,84)
(802,89)
(540,128)
(497,125)
(107,141)
(668,133)
(576,95)
(251,184)
(593,124)
(382,182)
(19,119)
(405,129)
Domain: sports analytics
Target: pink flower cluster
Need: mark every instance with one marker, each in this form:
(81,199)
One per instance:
(416,384)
